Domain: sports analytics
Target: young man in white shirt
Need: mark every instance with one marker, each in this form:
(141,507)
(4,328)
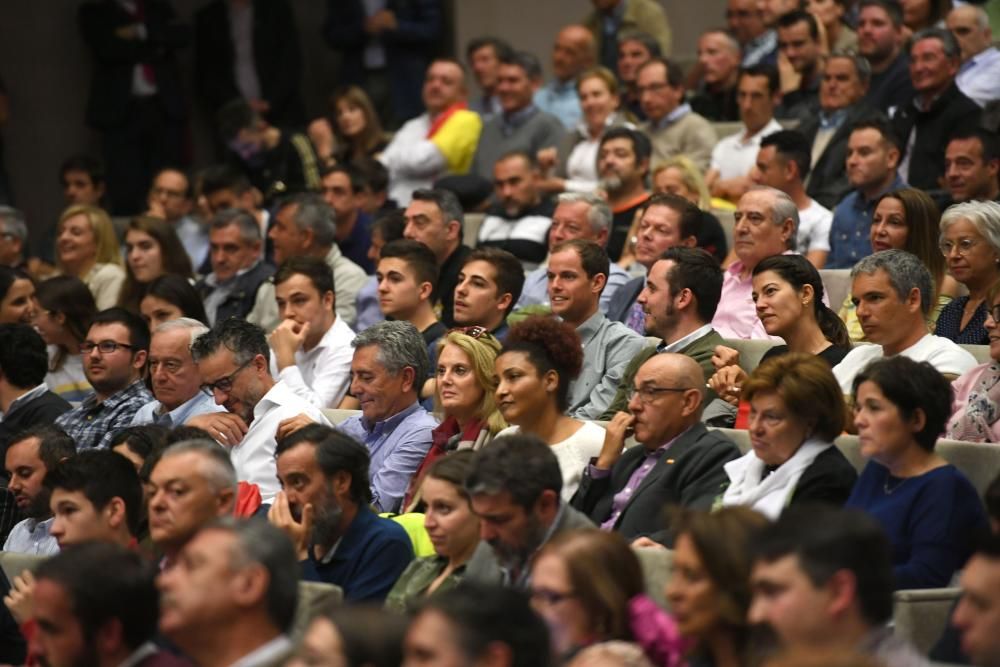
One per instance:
(892,290)
(312,345)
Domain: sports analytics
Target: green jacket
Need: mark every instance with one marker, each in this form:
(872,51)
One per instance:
(645,15)
(701,350)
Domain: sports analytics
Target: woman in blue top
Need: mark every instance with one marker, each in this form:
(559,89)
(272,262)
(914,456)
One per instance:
(928,509)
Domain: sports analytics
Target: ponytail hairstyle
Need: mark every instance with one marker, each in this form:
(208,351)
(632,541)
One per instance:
(798,272)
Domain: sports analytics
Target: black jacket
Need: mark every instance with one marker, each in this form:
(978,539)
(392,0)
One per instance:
(241,299)
(828,479)
(688,474)
(43,409)
(828,179)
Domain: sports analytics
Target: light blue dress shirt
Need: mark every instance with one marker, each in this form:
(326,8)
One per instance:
(561,100)
(199,404)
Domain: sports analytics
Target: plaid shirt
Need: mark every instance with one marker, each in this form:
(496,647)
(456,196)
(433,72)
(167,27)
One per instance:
(94,423)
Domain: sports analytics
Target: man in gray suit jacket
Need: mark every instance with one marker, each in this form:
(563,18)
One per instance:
(678,460)
(514,488)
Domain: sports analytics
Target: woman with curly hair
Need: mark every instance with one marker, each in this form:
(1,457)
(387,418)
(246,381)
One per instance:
(152,249)
(539,360)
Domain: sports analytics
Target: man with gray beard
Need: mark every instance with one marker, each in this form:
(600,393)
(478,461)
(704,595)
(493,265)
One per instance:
(324,508)
(622,164)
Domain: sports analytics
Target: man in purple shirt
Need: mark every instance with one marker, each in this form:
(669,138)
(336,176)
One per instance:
(389,367)
(678,462)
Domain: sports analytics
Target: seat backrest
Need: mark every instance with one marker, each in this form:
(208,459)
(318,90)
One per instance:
(921,616)
(750,351)
(851,448)
(470,228)
(14,563)
(837,283)
(980,352)
(728,222)
(656,565)
(739,436)
(315,598)
(979,462)
(336,416)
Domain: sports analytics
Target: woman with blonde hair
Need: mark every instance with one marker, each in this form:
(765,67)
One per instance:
(465,382)
(907,219)
(152,249)
(87,248)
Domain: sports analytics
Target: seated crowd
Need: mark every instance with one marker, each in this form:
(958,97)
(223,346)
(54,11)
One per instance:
(462,394)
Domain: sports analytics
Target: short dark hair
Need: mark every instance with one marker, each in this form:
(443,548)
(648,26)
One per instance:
(445,200)
(390,224)
(55,443)
(335,451)
(148,442)
(650,43)
(792,146)
(690,215)
(24,359)
(500,47)
(106,582)
(138,330)
(989,141)
(315,269)
(697,270)
(374,173)
(766,70)
(883,126)
(510,272)
(101,475)
(418,257)
(675,75)
(526,61)
(243,339)
(522,465)
(593,258)
(891,7)
(178,291)
(483,615)
(354,175)
(912,386)
(948,42)
(641,145)
(189,190)
(69,296)
(789,19)
(826,540)
(223,177)
(233,116)
(91,165)
(8,276)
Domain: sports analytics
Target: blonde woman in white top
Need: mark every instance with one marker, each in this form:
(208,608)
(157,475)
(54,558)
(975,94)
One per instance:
(87,248)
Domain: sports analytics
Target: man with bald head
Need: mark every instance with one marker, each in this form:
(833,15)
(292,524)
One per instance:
(719,58)
(678,462)
(979,75)
(767,221)
(438,142)
(572,53)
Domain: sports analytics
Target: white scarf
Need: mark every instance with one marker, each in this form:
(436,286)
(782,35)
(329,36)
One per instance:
(771,495)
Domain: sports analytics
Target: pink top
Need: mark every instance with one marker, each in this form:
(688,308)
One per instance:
(962,387)
(736,315)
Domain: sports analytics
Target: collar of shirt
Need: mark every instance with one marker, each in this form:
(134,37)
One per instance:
(981,58)
(144,651)
(25,398)
(590,327)
(378,428)
(860,203)
(180,414)
(665,446)
(514,120)
(832,119)
(525,568)
(681,343)
(266,654)
(772,126)
(672,117)
(212,281)
(279,394)
(762,43)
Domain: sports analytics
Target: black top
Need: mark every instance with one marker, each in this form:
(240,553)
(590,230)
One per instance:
(448,281)
(832,355)
(716,107)
(949,323)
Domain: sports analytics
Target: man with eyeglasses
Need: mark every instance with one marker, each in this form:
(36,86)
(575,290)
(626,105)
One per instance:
(114,358)
(171,198)
(672,126)
(678,462)
(234,363)
(177,383)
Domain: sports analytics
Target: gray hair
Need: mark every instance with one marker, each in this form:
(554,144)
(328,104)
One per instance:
(782,208)
(731,42)
(399,345)
(948,41)
(446,201)
(648,41)
(217,468)
(984,216)
(247,223)
(314,214)
(861,65)
(189,323)
(244,339)
(260,543)
(14,223)
(905,272)
(599,213)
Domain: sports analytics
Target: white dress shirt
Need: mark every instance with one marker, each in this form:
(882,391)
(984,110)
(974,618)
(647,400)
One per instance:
(735,156)
(323,374)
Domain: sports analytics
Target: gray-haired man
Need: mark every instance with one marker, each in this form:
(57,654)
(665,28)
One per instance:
(577,216)
(13,236)
(234,363)
(389,367)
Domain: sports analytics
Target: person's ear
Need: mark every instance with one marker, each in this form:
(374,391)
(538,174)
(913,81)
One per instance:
(329,300)
(842,591)
(808,293)
(110,637)
(504,302)
(918,420)
(550,381)
(425,291)
(408,376)
(116,513)
(598,282)
(690,242)
(250,585)
(139,360)
(340,484)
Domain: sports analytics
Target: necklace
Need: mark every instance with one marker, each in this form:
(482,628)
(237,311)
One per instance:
(889,491)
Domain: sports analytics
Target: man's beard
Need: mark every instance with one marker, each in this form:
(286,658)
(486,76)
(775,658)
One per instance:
(511,558)
(86,658)
(38,508)
(326,520)
(612,183)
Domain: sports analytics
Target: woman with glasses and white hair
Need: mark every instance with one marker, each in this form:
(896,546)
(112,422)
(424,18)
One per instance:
(970,243)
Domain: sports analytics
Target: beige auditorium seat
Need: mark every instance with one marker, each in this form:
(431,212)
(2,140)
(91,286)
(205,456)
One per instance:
(336,416)
(656,566)
(728,222)
(470,228)
(315,599)
(837,283)
(739,436)
(750,351)
(978,461)
(921,616)
(980,352)
(14,563)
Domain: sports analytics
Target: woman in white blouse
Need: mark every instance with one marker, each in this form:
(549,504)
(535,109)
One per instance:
(87,248)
